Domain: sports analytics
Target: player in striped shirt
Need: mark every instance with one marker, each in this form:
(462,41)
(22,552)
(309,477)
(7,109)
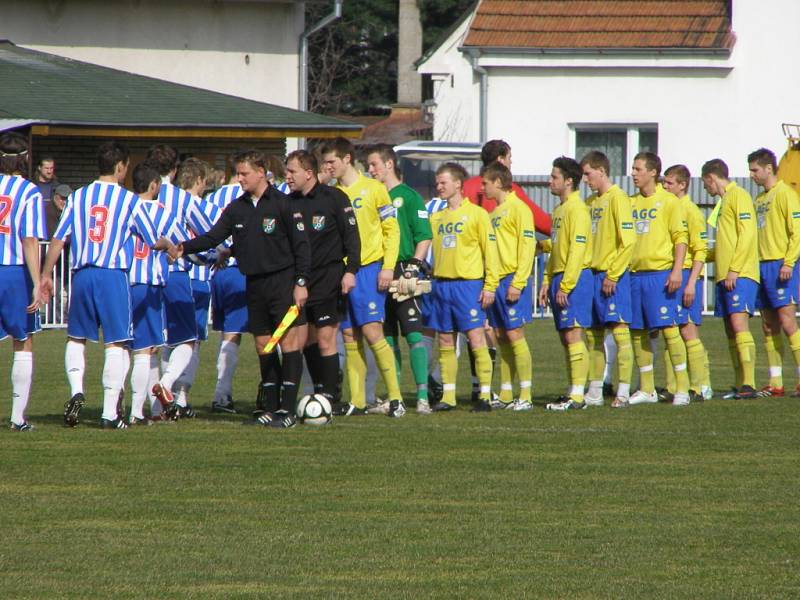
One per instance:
(778,220)
(100,220)
(188,215)
(21,226)
(229,309)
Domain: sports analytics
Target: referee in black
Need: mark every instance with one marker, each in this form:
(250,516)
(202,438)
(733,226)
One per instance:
(335,259)
(271,246)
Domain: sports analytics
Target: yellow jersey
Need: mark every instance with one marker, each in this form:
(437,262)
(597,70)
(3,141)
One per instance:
(377,221)
(659,225)
(778,220)
(737,241)
(613,236)
(512,222)
(571,237)
(698,237)
(464,245)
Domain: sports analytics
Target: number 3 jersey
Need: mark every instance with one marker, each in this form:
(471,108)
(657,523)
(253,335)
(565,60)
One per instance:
(21,216)
(464,245)
(101,219)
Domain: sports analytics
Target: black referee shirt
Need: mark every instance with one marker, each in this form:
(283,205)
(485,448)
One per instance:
(267,237)
(331,226)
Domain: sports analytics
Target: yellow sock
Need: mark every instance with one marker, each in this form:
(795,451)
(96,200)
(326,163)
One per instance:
(449,367)
(677,353)
(746,347)
(568,360)
(696,357)
(774,347)
(506,371)
(579,370)
(706,369)
(523,363)
(356,366)
(670,372)
(597,353)
(483,368)
(384,360)
(644,359)
(737,366)
(794,344)
(622,336)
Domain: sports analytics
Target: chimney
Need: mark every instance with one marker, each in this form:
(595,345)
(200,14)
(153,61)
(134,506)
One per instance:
(409,82)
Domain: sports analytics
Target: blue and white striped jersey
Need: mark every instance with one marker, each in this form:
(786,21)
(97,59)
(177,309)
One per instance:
(283,188)
(222,198)
(188,214)
(21,216)
(433,206)
(151,266)
(102,218)
(202,272)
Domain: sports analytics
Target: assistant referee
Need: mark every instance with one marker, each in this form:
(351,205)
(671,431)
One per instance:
(272,250)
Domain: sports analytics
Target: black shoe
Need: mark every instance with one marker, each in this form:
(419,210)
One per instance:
(277,420)
(481,406)
(730,394)
(137,422)
(694,397)
(475,396)
(185,412)
(608,391)
(115,424)
(223,405)
(72,409)
(397,409)
(664,395)
(435,390)
(442,407)
(746,392)
(345,409)
(25,427)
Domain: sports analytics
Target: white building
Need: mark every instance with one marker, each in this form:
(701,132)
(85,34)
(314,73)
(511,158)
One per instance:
(692,80)
(247,49)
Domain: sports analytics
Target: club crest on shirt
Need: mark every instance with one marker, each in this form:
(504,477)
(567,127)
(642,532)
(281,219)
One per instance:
(318,222)
(268,225)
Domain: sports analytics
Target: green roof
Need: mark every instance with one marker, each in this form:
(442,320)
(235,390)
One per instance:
(49,89)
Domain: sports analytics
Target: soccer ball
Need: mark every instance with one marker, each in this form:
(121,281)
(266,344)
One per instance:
(314,410)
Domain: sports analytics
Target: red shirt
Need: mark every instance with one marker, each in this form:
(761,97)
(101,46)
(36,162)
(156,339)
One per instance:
(472,190)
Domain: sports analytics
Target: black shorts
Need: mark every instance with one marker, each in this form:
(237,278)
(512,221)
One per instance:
(269,296)
(407,313)
(325,304)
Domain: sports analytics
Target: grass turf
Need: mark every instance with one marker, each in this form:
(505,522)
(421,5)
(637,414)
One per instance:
(652,501)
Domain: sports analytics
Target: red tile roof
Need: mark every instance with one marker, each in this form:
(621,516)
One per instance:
(609,24)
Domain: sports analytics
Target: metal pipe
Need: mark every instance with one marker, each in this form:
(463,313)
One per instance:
(335,14)
(483,112)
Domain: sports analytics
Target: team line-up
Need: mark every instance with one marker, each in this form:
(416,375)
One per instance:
(366,261)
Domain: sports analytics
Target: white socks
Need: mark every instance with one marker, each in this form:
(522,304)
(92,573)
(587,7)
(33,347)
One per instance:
(140,384)
(21,376)
(179,359)
(226,367)
(75,364)
(186,378)
(155,405)
(113,378)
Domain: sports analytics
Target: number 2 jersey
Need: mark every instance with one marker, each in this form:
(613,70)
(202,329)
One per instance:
(21,216)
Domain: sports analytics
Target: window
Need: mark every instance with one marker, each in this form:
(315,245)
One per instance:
(619,142)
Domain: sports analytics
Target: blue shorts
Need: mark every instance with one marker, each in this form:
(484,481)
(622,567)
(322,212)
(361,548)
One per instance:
(503,315)
(201,292)
(426,305)
(365,304)
(147,302)
(456,305)
(615,308)
(772,292)
(693,314)
(578,312)
(179,304)
(15,295)
(741,299)
(229,301)
(653,307)
(100,298)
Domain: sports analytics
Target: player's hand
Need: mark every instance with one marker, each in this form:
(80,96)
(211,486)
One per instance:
(730,281)
(785,273)
(35,299)
(513,294)
(674,281)
(300,295)
(175,252)
(223,254)
(561,299)
(487,299)
(543,301)
(348,283)
(45,289)
(384,279)
(689,293)
(609,287)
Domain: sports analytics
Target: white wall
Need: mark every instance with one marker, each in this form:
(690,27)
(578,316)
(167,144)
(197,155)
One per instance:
(199,43)
(705,107)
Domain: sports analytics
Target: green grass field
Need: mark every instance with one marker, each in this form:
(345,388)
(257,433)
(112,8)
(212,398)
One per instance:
(652,501)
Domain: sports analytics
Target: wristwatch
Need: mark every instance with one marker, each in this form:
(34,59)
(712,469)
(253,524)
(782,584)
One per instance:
(300,281)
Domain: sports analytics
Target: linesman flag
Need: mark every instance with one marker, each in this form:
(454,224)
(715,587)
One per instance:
(286,322)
